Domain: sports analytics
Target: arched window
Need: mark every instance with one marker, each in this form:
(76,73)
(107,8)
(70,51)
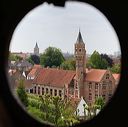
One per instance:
(51,92)
(60,93)
(38,89)
(55,92)
(46,90)
(34,90)
(42,90)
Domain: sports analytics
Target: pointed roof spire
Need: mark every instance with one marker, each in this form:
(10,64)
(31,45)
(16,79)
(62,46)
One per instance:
(36,45)
(79,38)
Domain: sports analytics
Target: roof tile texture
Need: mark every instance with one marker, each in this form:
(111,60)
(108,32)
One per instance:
(54,77)
(95,75)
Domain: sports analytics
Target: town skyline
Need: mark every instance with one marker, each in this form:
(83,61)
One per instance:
(117,53)
(59,85)
(59,30)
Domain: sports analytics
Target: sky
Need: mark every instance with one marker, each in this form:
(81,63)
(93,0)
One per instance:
(58,27)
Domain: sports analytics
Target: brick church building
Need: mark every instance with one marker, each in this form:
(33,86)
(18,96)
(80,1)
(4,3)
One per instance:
(84,82)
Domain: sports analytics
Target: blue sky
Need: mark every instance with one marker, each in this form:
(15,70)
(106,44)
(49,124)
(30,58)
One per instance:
(56,26)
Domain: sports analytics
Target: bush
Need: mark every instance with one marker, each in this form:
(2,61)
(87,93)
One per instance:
(35,112)
(22,93)
(34,103)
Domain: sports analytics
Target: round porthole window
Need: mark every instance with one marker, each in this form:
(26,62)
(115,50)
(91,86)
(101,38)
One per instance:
(64,63)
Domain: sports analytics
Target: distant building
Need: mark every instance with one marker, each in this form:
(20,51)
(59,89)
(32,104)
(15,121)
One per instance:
(21,54)
(23,65)
(36,50)
(68,55)
(117,54)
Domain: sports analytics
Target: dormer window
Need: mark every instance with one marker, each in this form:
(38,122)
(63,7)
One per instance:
(107,76)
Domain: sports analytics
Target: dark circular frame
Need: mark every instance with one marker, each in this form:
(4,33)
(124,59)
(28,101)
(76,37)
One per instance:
(12,113)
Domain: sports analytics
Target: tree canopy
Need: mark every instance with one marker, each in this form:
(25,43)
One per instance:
(96,61)
(52,109)
(100,102)
(108,59)
(116,68)
(69,64)
(51,57)
(22,93)
(34,59)
(13,57)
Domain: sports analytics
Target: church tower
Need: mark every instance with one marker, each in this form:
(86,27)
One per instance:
(80,56)
(36,50)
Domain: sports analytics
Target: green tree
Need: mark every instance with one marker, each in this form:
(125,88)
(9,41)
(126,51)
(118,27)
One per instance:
(97,62)
(58,106)
(98,105)
(69,64)
(51,57)
(13,57)
(30,60)
(52,110)
(57,111)
(115,68)
(68,118)
(88,109)
(100,102)
(47,108)
(22,93)
(92,109)
(18,58)
(35,112)
(34,59)
(108,59)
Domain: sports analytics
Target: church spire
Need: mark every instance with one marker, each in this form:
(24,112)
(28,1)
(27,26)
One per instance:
(36,50)
(36,45)
(79,38)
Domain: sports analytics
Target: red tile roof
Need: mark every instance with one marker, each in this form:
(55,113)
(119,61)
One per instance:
(95,75)
(34,70)
(116,76)
(54,77)
(37,66)
(58,78)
